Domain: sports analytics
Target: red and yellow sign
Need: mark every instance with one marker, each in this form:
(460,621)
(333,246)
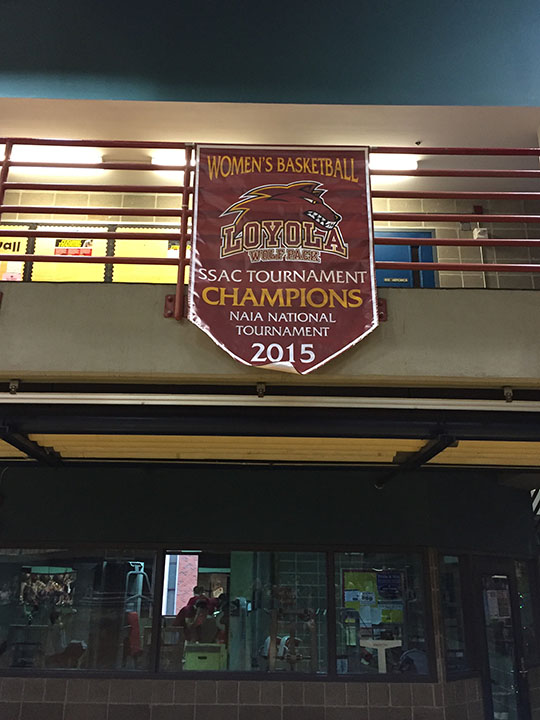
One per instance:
(282,261)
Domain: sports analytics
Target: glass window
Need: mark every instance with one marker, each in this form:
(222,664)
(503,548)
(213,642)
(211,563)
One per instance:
(452,613)
(526,614)
(69,611)
(380,614)
(244,611)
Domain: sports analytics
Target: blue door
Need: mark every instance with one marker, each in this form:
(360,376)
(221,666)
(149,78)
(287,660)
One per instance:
(404,253)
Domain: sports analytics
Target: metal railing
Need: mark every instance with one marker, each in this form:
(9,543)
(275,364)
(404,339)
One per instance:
(179,231)
(179,234)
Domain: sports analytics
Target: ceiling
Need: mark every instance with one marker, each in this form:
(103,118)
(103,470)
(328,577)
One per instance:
(8,452)
(372,451)
(272,123)
(259,123)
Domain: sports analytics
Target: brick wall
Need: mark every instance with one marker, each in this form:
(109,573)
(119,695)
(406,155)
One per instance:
(94,199)
(80,699)
(463,700)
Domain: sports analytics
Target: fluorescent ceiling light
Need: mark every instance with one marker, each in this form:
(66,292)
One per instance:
(392,161)
(168,157)
(55,154)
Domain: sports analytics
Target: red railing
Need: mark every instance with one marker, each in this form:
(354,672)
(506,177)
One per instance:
(184,191)
(180,231)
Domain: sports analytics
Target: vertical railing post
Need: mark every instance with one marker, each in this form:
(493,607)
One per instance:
(4,173)
(182,260)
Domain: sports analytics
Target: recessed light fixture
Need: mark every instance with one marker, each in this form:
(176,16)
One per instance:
(393,161)
(169,157)
(65,154)
(55,154)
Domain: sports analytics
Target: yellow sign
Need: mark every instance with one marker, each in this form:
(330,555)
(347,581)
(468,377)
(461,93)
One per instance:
(12,270)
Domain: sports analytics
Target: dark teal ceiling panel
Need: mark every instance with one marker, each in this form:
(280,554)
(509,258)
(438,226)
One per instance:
(404,52)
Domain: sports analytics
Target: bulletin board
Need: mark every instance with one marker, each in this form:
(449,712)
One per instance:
(62,247)
(376,596)
(166,274)
(92,272)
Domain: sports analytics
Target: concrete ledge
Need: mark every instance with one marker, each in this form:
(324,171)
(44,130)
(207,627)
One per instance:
(117,333)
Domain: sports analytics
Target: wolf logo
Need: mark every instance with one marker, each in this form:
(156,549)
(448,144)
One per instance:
(295,199)
(283,216)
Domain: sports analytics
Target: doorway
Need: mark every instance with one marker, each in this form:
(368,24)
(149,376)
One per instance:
(404,253)
(503,652)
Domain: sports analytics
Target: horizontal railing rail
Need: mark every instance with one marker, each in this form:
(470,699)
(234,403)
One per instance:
(161,189)
(505,151)
(455,195)
(129,144)
(471,267)
(122,162)
(454,217)
(98,259)
(96,235)
(463,172)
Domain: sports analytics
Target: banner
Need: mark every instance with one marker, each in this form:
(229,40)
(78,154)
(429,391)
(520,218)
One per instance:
(282,256)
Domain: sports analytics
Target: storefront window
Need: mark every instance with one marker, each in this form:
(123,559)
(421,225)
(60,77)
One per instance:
(245,611)
(452,612)
(526,614)
(60,610)
(380,614)
(259,612)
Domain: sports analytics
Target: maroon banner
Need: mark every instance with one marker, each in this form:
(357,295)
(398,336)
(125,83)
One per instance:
(282,272)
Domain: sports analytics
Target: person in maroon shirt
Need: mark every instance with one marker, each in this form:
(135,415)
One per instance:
(200,594)
(195,605)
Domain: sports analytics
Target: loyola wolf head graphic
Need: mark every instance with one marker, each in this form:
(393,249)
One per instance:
(288,202)
(283,222)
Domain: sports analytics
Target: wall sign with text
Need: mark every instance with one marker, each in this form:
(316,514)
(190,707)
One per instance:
(282,272)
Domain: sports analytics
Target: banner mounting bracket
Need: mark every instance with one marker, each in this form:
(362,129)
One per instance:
(168,309)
